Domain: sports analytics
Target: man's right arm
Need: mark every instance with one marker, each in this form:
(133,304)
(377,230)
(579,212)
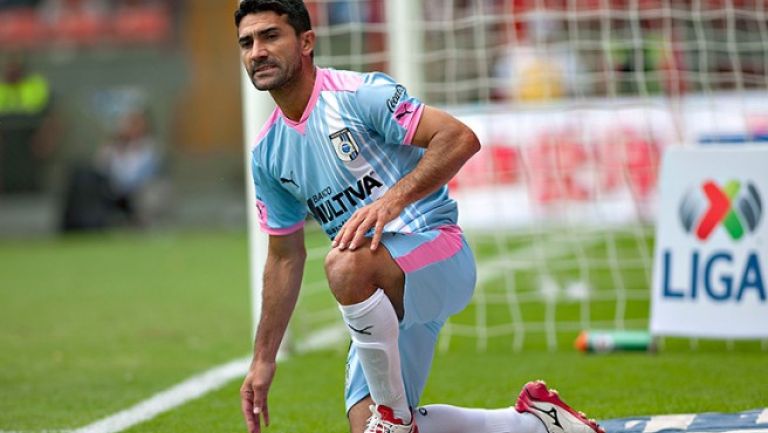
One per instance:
(282,281)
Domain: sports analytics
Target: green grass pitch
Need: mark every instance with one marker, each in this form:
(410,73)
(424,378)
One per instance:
(91,325)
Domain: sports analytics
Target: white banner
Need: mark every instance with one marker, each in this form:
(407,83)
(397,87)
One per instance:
(562,165)
(589,162)
(711,262)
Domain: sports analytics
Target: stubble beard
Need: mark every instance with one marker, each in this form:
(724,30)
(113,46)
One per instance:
(284,75)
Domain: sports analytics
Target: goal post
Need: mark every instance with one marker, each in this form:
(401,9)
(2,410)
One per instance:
(405,38)
(256,109)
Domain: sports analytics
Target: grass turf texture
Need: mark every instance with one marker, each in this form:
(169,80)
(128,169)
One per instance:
(307,393)
(91,325)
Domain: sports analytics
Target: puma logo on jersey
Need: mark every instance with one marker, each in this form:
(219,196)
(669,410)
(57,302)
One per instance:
(289,179)
(405,112)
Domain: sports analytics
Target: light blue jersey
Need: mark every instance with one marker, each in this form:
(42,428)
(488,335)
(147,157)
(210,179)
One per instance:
(351,145)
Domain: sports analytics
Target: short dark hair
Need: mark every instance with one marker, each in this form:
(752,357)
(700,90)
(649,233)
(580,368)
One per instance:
(298,16)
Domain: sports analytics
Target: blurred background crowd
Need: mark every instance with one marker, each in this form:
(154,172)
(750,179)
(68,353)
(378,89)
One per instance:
(118,113)
(128,112)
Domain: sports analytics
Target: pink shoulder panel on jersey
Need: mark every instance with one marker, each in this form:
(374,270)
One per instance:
(409,119)
(340,81)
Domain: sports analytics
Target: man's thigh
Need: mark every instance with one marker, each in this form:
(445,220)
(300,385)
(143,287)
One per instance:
(439,270)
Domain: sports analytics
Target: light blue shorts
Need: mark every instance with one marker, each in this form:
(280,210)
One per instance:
(439,280)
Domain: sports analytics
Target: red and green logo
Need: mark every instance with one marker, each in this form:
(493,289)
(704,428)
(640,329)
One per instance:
(735,206)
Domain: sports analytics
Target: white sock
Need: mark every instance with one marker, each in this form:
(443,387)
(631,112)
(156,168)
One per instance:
(440,418)
(374,328)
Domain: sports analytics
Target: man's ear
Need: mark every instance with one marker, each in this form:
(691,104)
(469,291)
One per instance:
(308,42)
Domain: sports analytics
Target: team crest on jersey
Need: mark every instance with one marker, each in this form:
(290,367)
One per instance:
(345,145)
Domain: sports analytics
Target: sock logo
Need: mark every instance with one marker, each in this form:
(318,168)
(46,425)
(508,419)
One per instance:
(363,331)
(737,207)
(423,411)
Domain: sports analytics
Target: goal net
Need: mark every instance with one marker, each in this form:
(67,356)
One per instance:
(574,102)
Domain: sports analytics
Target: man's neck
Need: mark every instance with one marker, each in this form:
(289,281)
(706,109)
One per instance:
(293,98)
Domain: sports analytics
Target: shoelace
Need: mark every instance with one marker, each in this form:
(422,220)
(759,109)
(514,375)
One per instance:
(377,425)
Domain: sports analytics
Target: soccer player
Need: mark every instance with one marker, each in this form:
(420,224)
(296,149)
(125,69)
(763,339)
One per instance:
(369,162)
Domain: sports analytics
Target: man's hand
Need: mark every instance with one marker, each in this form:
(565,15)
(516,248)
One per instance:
(375,215)
(448,143)
(253,395)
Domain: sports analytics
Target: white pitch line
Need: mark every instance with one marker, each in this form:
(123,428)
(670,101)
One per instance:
(324,338)
(190,389)
(171,398)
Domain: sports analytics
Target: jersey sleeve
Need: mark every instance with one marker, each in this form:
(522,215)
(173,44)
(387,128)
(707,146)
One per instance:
(389,109)
(279,212)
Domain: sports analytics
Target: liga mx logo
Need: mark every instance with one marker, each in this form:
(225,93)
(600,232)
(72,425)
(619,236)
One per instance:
(344,144)
(735,206)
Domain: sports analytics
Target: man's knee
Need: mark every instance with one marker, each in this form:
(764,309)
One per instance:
(350,276)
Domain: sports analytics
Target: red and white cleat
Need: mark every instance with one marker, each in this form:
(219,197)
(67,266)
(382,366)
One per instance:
(558,417)
(383,420)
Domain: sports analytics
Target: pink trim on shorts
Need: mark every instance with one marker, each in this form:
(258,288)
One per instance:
(411,122)
(445,245)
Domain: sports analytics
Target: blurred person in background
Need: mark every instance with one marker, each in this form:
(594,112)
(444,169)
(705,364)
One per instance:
(535,67)
(131,162)
(123,185)
(653,65)
(76,21)
(345,12)
(27,126)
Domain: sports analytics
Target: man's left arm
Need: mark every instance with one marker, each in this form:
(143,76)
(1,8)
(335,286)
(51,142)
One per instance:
(448,143)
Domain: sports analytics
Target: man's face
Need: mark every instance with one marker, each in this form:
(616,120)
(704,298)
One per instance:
(270,49)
